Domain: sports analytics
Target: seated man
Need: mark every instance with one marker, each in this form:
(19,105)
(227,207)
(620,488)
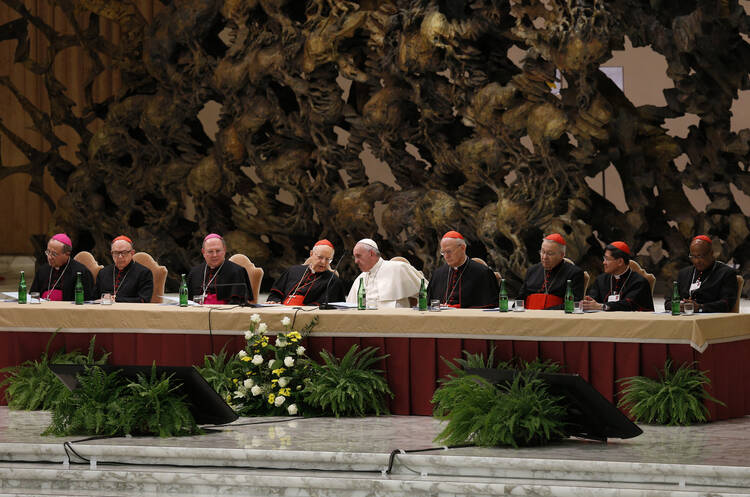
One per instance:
(546,282)
(56,280)
(218,280)
(390,283)
(125,280)
(309,284)
(709,284)
(461,282)
(619,288)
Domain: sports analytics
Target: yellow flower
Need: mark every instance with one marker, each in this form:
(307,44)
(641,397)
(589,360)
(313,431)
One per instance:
(286,392)
(274,381)
(235,380)
(246,359)
(271,398)
(278,372)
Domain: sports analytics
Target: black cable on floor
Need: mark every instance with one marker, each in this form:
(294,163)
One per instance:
(392,457)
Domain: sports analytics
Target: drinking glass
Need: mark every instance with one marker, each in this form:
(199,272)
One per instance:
(106,299)
(435,305)
(688,308)
(519,306)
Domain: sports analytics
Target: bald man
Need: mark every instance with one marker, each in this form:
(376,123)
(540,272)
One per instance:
(390,283)
(125,279)
(309,284)
(709,284)
(218,280)
(462,282)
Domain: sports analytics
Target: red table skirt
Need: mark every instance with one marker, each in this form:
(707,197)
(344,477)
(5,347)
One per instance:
(414,364)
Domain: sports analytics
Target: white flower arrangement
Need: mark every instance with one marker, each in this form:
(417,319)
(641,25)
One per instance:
(273,372)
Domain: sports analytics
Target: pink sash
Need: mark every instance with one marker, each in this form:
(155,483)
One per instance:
(212,300)
(55,295)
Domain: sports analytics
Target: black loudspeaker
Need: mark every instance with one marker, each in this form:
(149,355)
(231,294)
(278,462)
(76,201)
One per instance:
(206,406)
(590,415)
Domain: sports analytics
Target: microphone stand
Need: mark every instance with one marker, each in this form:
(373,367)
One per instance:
(325,306)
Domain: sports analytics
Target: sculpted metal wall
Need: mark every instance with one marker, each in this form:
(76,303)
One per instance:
(429,89)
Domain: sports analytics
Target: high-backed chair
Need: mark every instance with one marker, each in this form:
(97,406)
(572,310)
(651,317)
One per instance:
(254,273)
(159,272)
(88,260)
(400,259)
(586,277)
(481,261)
(634,266)
(740,284)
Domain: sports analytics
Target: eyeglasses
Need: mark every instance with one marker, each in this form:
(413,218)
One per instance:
(121,254)
(699,256)
(447,252)
(51,253)
(609,259)
(542,253)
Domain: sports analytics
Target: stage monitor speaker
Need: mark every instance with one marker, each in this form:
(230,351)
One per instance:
(206,406)
(590,415)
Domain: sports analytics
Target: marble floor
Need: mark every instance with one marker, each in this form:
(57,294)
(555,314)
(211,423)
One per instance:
(724,443)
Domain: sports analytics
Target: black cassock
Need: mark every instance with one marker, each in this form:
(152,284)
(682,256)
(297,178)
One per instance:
(717,291)
(44,281)
(135,283)
(470,285)
(633,290)
(556,282)
(301,280)
(228,281)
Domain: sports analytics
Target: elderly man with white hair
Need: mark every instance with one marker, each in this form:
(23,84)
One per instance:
(545,283)
(390,283)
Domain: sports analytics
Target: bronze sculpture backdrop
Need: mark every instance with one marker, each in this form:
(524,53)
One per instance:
(429,89)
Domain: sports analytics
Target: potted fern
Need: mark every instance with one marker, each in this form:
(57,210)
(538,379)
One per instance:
(677,397)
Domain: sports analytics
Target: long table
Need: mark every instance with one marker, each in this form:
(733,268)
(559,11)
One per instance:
(601,347)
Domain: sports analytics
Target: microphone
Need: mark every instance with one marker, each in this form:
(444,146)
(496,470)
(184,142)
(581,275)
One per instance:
(325,306)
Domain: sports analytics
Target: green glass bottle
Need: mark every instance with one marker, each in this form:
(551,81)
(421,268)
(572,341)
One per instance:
(79,289)
(361,296)
(423,296)
(22,289)
(503,303)
(568,304)
(183,292)
(675,299)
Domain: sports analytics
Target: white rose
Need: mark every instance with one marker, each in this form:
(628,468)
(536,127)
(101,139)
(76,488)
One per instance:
(285,321)
(280,342)
(279,400)
(262,327)
(239,393)
(291,409)
(249,383)
(270,363)
(248,335)
(283,382)
(255,318)
(256,390)
(257,359)
(289,361)
(300,350)
(241,354)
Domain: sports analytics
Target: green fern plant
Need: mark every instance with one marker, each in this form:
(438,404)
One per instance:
(218,370)
(33,386)
(518,414)
(349,387)
(675,398)
(106,404)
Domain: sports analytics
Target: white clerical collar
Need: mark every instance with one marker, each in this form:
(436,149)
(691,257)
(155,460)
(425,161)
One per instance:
(374,269)
(618,276)
(466,258)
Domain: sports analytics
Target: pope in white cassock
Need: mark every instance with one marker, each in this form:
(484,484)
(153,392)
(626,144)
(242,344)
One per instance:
(391,283)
